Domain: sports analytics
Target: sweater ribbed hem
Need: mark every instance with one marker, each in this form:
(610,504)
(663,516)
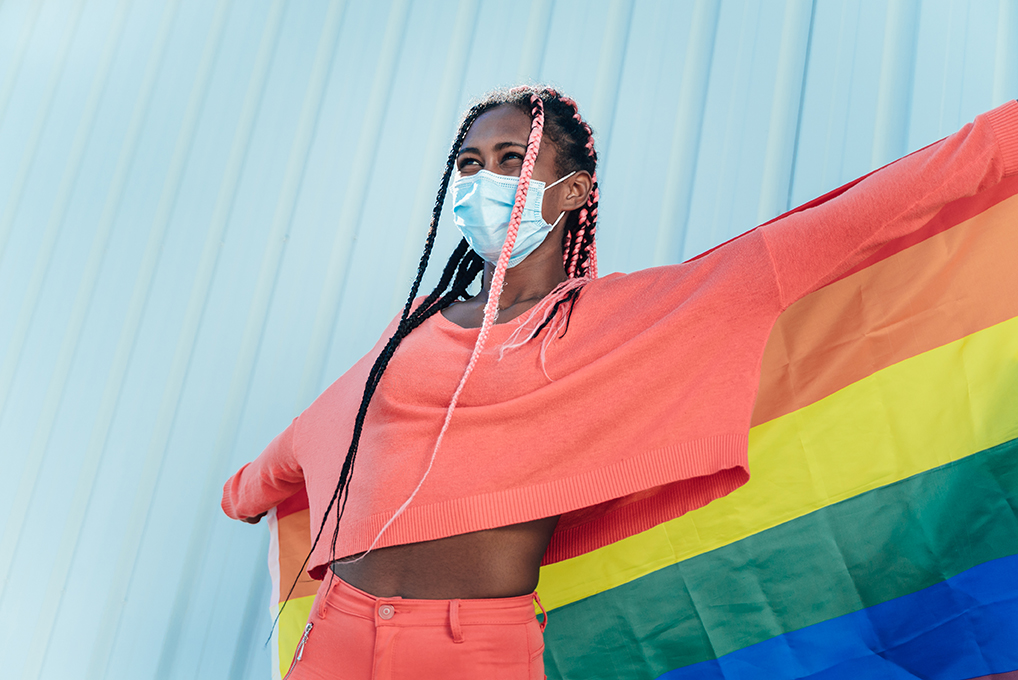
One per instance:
(597,508)
(226,504)
(1004,121)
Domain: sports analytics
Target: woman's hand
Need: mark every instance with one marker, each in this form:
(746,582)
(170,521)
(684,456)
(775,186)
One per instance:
(255,519)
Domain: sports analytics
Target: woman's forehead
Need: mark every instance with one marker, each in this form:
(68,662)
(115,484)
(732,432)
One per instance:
(503,123)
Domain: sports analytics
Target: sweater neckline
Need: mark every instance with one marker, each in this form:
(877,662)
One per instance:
(508,327)
(455,327)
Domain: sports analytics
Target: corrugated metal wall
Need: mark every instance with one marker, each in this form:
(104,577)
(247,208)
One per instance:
(210,208)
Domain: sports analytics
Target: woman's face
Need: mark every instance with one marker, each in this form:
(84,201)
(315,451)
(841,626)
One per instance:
(497,142)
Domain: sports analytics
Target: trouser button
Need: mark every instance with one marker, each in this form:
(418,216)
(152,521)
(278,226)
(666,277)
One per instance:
(386,611)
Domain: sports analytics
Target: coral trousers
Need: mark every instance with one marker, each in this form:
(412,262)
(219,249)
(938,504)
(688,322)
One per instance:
(351,635)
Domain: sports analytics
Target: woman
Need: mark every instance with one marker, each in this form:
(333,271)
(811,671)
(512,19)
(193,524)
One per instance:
(595,408)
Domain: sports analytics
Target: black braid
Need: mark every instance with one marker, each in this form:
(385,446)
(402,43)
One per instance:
(436,212)
(451,269)
(573,141)
(375,376)
(569,298)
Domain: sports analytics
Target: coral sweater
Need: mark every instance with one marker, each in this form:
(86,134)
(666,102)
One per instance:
(644,408)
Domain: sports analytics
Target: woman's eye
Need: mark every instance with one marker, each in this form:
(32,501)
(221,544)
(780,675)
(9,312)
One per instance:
(511,157)
(468,162)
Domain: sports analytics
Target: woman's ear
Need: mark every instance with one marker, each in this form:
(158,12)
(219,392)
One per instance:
(577,189)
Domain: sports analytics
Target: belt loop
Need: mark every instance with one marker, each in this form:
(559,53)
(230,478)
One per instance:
(537,599)
(323,608)
(454,621)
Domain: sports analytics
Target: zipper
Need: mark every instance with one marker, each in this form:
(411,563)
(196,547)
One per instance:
(303,640)
(300,648)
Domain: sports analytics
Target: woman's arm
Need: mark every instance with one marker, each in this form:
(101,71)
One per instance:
(264,482)
(814,246)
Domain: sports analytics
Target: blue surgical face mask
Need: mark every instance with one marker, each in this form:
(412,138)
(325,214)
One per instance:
(482,204)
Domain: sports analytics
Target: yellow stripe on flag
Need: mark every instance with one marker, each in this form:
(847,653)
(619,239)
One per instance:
(291,627)
(923,412)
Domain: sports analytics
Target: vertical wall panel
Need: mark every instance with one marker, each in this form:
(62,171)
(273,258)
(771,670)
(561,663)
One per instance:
(209,210)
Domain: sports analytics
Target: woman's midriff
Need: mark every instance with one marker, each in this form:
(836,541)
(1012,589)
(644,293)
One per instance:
(502,562)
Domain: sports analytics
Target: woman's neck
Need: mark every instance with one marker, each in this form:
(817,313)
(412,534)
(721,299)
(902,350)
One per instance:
(525,285)
(528,281)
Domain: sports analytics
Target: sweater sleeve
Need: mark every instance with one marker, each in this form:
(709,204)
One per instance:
(266,481)
(812,247)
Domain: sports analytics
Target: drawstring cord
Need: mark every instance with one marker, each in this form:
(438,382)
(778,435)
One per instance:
(544,622)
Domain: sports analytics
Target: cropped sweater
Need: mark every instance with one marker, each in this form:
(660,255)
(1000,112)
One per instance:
(639,413)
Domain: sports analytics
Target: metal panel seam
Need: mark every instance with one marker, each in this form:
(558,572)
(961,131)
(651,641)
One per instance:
(449,92)
(35,137)
(353,203)
(798,118)
(686,133)
(58,213)
(19,56)
(34,459)
(894,92)
(1005,71)
(213,241)
(535,40)
(609,70)
(110,618)
(247,354)
(56,585)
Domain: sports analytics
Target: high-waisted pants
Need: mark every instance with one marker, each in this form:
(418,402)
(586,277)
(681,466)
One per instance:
(351,635)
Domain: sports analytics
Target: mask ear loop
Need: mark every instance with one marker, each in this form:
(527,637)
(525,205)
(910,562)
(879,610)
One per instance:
(560,179)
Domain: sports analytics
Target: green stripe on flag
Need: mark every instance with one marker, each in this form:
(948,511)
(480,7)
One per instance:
(868,549)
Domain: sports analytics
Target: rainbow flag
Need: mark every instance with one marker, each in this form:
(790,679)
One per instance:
(878,535)
(289,544)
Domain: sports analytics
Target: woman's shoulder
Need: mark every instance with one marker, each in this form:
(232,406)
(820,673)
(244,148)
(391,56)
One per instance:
(736,261)
(624,286)
(734,279)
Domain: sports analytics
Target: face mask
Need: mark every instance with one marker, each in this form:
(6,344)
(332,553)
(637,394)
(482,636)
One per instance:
(482,204)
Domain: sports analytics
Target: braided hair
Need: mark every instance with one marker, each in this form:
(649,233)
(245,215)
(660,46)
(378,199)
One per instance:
(574,143)
(556,117)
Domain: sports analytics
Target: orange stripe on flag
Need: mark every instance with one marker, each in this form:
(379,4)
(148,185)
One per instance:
(931,294)
(294,545)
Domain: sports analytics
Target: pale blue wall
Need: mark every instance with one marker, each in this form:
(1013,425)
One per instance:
(210,208)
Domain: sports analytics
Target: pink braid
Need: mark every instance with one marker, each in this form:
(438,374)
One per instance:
(572,243)
(571,269)
(592,201)
(494,293)
(498,278)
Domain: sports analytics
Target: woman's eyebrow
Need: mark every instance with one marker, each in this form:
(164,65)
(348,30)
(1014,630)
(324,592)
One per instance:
(498,147)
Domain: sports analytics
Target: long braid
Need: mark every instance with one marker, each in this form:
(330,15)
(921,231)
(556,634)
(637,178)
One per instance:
(587,222)
(584,255)
(592,200)
(452,267)
(467,271)
(436,212)
(427,309)
(579,248)
(567,246)
(455,263)
(575,256)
